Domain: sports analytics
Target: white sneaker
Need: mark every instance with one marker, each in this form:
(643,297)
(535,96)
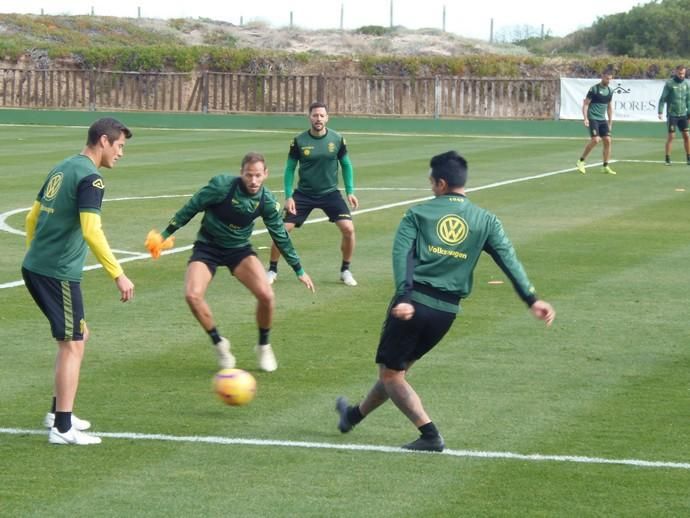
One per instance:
(267,360)
(79,424)
(271,276)
(347,278)
(226,360)
(72,436)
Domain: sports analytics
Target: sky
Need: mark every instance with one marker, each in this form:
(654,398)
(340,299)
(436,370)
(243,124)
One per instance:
(465,18)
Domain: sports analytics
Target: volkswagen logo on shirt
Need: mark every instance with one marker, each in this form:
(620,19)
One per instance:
(52,187)
(451,229)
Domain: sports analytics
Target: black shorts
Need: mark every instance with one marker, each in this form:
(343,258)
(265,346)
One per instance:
(599,128)
(61,302)
(213,257)
(677,122)
(332,204)
(405,341)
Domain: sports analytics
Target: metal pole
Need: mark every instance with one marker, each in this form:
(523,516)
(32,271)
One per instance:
(138,12)
(291,19)
(391,21)
(444,18)
(491,32)
(342,9)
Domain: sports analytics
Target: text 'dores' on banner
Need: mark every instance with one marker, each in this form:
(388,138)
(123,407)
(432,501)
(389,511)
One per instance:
(633,99)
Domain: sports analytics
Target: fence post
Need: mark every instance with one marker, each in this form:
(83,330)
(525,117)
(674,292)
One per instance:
(321,88)
(204,89)
(437,97)
(92,89)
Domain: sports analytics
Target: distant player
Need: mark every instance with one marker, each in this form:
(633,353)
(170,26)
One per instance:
(64,219)
(435,252)
(676,97)
(597,111)
(319,151)
(230,205)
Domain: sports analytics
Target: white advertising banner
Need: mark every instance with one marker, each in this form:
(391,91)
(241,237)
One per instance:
(633,99)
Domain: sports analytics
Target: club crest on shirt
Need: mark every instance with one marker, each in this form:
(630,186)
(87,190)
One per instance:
(451,229)
(52,187)
(331,147)
(98,184)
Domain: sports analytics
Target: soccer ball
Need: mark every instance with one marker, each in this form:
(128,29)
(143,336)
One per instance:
(234,387)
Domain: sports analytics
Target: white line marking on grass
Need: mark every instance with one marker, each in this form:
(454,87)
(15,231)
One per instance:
(364,133)
(538,457)
(137,256)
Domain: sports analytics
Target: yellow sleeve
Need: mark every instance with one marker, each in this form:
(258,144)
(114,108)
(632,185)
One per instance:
(95,238)
(31,221)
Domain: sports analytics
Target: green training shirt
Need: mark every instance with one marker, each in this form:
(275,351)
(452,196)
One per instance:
(676,95)
(318,159)
(58,248)
(436,249)
(229,214)
(600,97)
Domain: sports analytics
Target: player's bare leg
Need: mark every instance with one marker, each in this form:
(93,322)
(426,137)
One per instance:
(347,248)
(251,273)
(272,273)
(197,280)
(668,147)
(67,368)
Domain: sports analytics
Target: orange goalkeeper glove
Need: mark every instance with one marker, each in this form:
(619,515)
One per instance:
(155,243)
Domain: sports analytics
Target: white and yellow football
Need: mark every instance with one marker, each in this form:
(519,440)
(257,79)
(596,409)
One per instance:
(234,387)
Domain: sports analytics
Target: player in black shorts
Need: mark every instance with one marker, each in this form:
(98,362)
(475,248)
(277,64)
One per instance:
(319,151)
(597,113)
(676,98)
(230,205)
(435,251)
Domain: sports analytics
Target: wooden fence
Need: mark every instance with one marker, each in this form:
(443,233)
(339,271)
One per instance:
(260,93)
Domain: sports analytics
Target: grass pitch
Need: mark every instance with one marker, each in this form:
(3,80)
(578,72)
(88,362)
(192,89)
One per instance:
(608,383)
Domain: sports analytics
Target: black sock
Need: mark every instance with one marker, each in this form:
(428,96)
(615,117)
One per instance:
(429,430)
(63,421)
(264,336)
(215,337)
(53,407)
(668,158)
(273,266)
(354,415)
(345,266)
(605,164)
(688,157)
(582,159)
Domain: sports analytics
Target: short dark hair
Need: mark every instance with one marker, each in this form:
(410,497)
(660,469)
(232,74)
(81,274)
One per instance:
(317,104)
(451,167)
(680,67)
(108,126)
(252,158)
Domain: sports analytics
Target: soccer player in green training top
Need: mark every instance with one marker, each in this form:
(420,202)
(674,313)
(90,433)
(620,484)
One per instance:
(436,249)
(65,217)
(676,97)
(318,151)
(597,111)
(230,205)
